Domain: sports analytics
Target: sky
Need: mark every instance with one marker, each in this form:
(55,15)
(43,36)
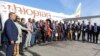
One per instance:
(89,7)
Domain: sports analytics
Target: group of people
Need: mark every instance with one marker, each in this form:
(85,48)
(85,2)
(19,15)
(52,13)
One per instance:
(18,34)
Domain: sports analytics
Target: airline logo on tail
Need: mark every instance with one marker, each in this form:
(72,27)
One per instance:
(78,10)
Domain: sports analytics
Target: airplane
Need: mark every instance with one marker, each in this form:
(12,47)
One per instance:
(30,12)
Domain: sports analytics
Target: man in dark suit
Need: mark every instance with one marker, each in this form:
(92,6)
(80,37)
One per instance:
(83,29)
(89,32)
(74,30)
(65,30)
(78,30)
(10,34)
(96,30)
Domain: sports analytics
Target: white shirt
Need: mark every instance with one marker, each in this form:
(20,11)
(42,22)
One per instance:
(20,28)
(30,26)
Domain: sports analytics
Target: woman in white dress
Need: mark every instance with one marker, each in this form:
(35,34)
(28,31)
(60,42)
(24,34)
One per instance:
(20,28)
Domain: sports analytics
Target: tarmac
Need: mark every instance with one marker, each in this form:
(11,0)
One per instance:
(64,48)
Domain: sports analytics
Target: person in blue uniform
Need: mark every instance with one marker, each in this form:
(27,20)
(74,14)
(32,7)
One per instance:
(10,34)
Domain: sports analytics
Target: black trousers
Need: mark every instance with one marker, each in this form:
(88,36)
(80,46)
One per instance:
(21,45)
(89,36)
(78,36)
(83,36)
(95,37)
(74,37)
(65,35)
(43,37)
